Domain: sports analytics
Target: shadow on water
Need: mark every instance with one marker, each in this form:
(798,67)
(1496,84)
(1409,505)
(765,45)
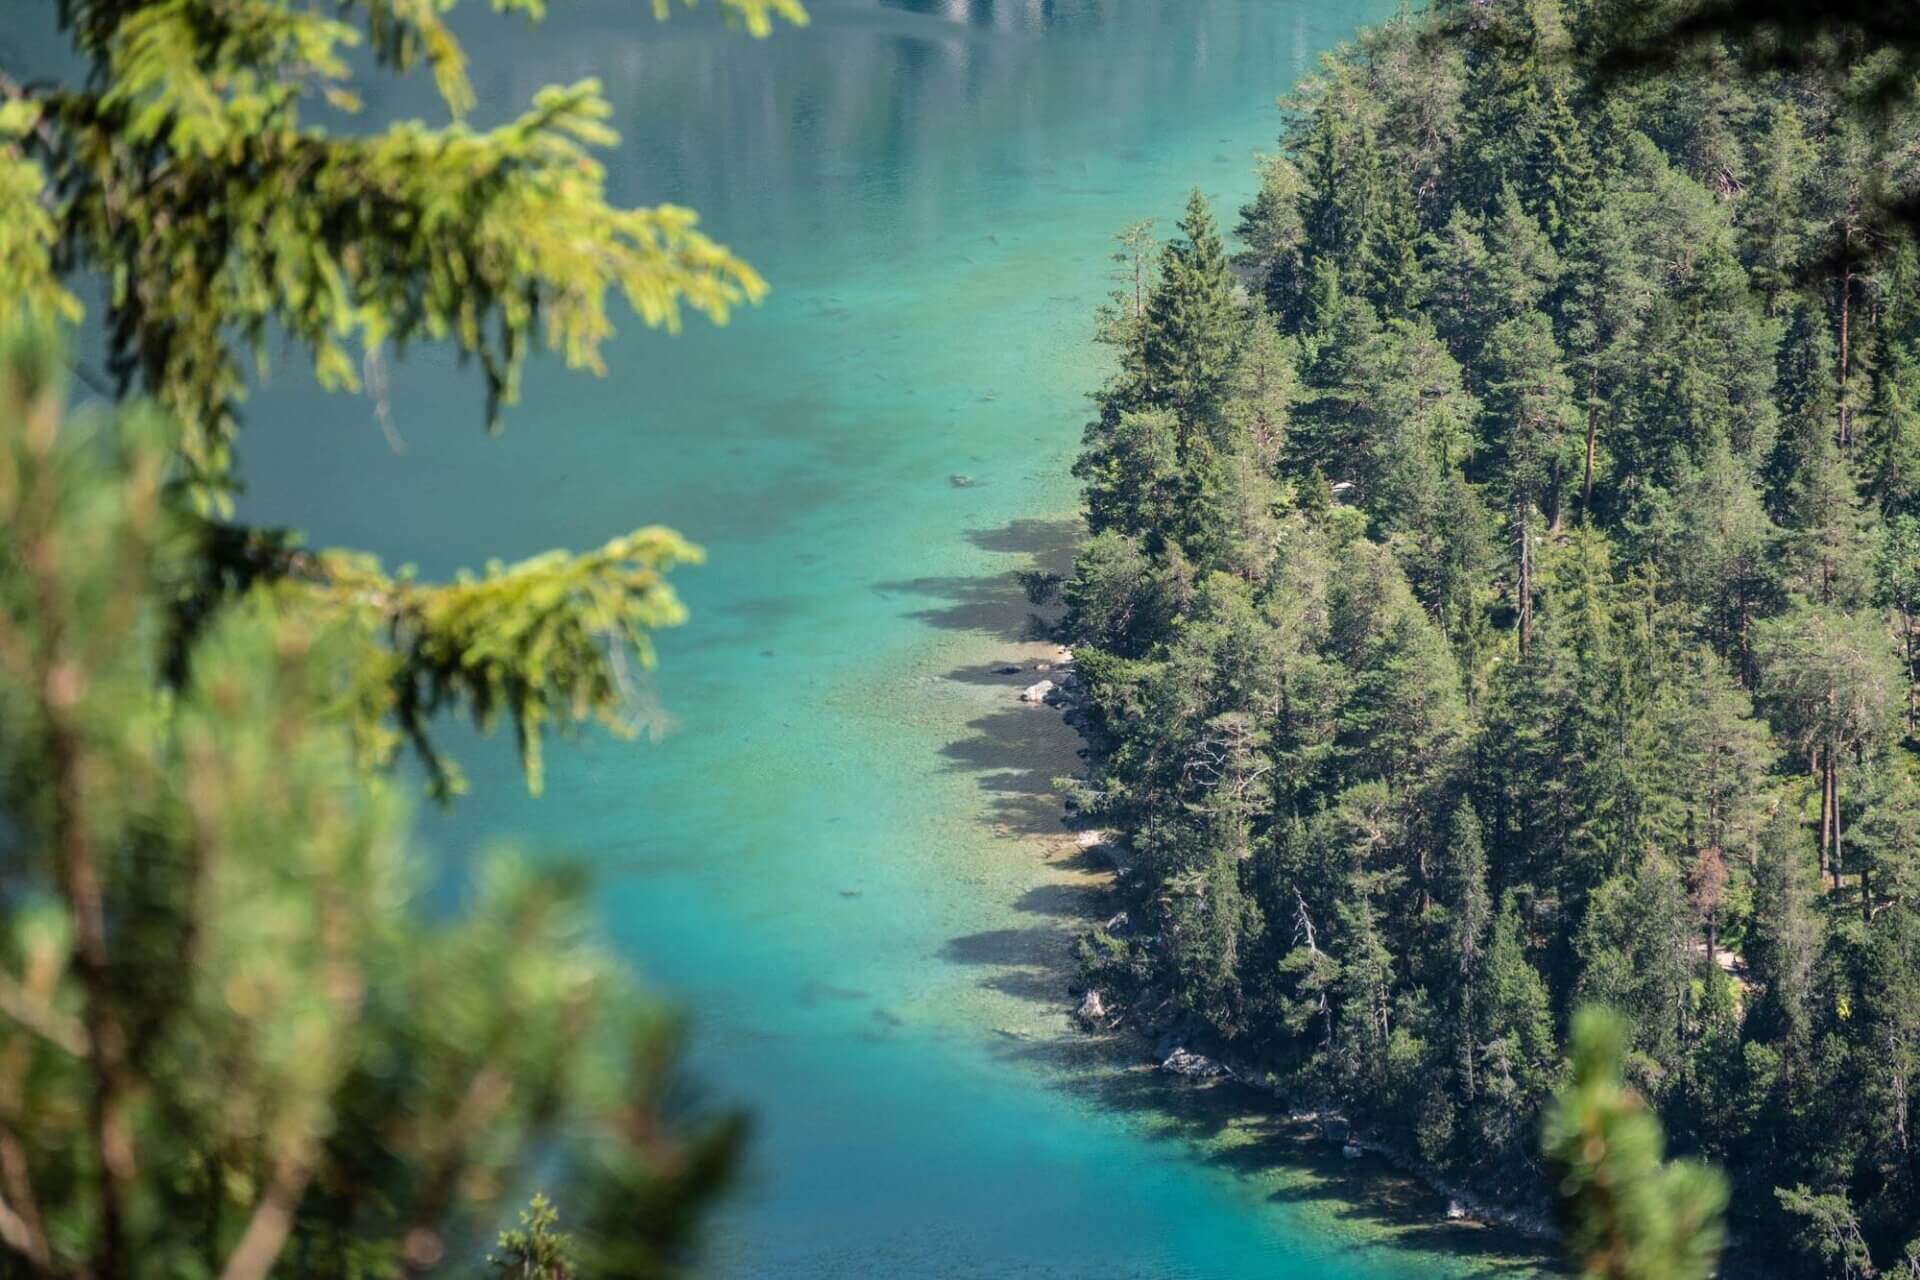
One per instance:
(993,605)
(996,604)
(1014,752)
(1014,756)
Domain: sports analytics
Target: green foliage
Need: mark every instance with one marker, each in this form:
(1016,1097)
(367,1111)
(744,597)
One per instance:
(1194,325)
(231,1036)
(1629,1214)
(1537,632)
(534,1250)
(233,1040)
(230,217)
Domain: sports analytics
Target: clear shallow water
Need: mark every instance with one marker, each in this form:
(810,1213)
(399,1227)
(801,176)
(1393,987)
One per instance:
(844,856)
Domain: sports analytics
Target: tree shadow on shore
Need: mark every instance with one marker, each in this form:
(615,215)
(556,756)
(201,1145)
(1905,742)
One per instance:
(1014,756)
(996,603)
(1014,752)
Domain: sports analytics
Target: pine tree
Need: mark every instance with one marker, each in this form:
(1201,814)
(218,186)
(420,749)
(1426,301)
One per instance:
(1786,934)
(1604,294)
(1826,536)
(243,1043)
(1896,579)
(1194,325)
(1809,401)
(1831,686)
(1561,182)
(1777,233)
(1890,444)
(1397,279)
(1513,1024)
(1722,558)
(1503,111)
(1628,1213)
(1529,426)
(1462,889)
(1275,235)
(231,1037)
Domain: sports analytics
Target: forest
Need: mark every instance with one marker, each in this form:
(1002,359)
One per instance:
(1501,598)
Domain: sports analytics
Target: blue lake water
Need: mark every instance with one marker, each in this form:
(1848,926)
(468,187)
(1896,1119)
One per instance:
(842,855)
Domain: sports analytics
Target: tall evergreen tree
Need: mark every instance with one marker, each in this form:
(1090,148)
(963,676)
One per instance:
(1561,183)
(1777,231)
(1529,426)
(1194,324)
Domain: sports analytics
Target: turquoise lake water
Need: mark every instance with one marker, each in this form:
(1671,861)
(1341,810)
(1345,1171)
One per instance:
(843,855)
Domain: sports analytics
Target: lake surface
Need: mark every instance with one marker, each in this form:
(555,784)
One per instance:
(843,854)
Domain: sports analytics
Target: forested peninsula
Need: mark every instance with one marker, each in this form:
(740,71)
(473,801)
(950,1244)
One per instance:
(1501,598)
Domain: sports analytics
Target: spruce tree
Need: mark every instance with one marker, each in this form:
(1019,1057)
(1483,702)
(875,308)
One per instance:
(1194,324)
(1462,889)
(1529,424)
(1561,181)
(1275,235)
(1890,443)
(1777,232)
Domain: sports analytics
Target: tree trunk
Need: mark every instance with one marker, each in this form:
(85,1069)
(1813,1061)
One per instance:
(1833,808)
(1593,429)
(1820,762)
(1525,601)
(1846,355)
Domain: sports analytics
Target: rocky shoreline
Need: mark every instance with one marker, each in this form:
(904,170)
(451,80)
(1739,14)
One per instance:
(1145,1033)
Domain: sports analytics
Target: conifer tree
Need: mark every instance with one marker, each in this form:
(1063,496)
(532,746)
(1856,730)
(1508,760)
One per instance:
(1722,556)
(231,1039)
(1890,444)
(1529,426)
(1830,687)
(1628,1213)
(1777,231)
(1194,324)
(1786,933)
(1469,912)
(1513,1024)
(1275,235)
(1896,588)
(1808,396)
(1561,182)
(189,177)
(1826,537)
(1503,108)
(242,1043)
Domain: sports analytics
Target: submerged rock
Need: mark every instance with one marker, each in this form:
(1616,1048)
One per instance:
(1102,848)
(1193,1066)
(960,481)
(1092,1012)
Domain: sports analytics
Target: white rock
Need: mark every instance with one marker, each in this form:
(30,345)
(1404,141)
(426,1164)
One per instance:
(1194,1066)
(1037,692)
